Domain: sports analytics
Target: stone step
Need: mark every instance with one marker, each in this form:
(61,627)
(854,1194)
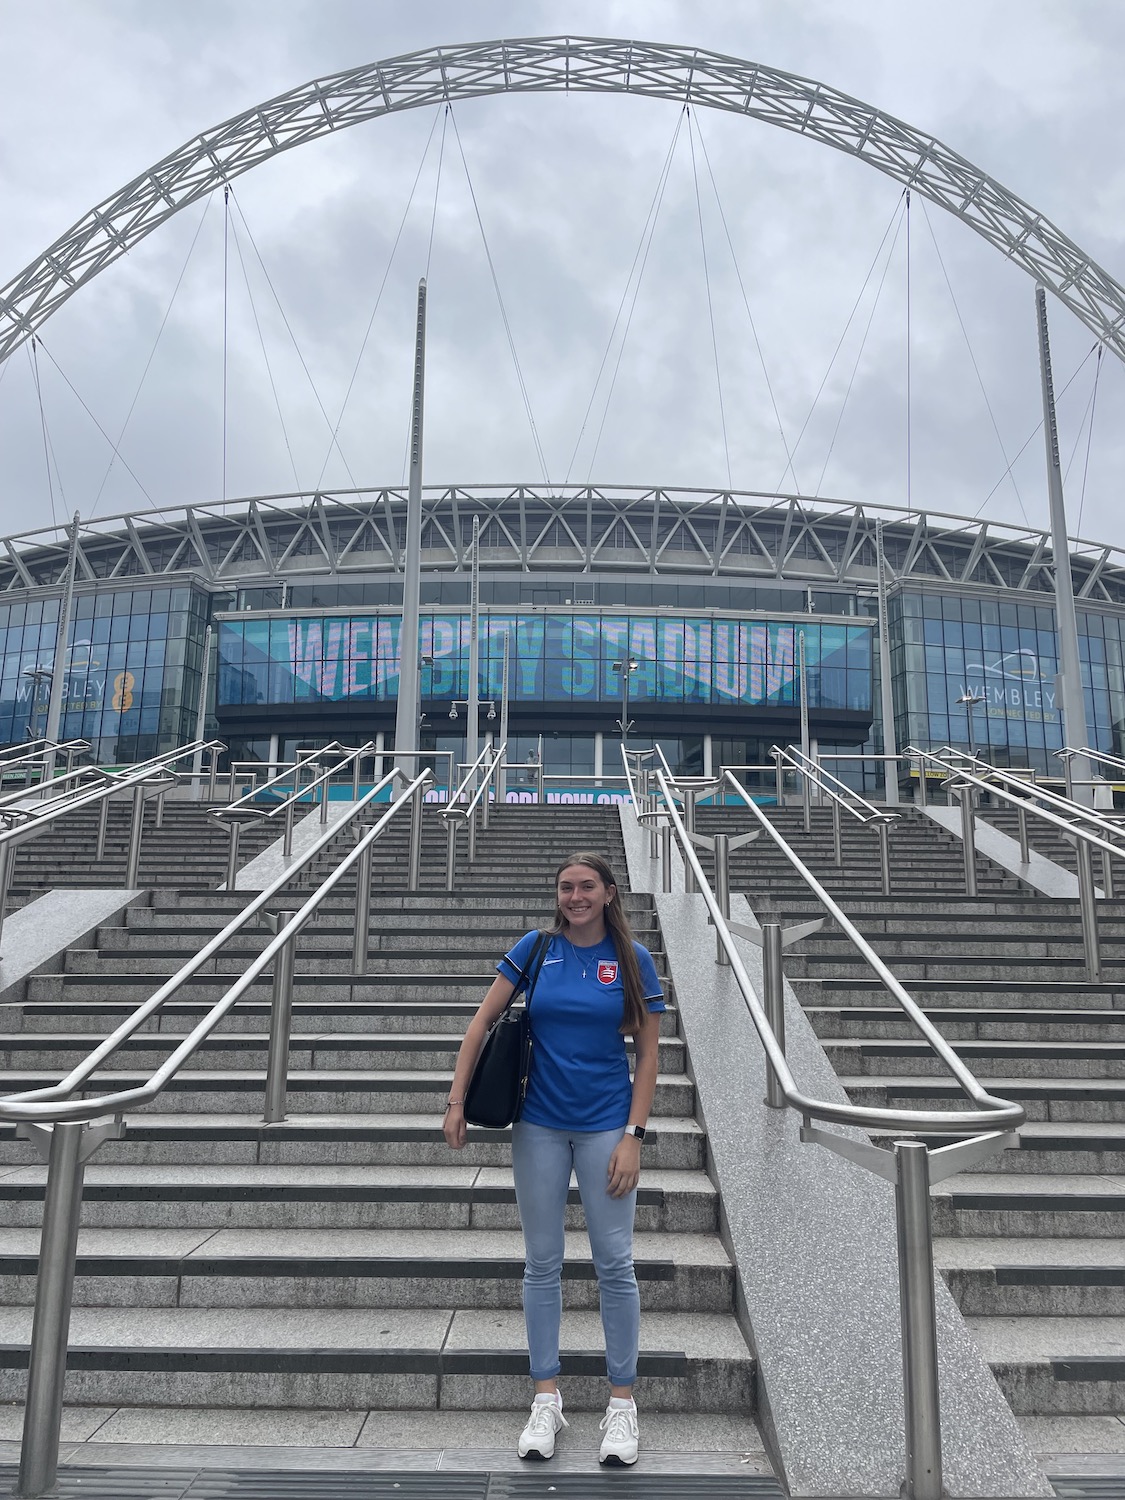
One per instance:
(938,993)
(310,958)
(959,1023)
(310,1091)
(1089,1100)
(358,1269)
(1056,1366)
(673,1142)
(852,965)
(331,1052)
(416,1198)
(1064,1149)
(1043,1207)
(1050,1060)
(996,1277)
(95,1019)
(341,1358)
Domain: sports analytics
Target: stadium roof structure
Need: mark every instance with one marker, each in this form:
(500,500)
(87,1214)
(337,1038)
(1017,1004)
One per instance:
(581,529)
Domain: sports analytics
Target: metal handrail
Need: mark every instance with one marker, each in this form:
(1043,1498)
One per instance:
(468,813)
(1067,753)
(66,1131)
(995,776)
(37,752)
(234,814)
(964,782)
(1069,826)
(912,1166)
(148,776)
(35,1104)
(993,1110)
(849,800)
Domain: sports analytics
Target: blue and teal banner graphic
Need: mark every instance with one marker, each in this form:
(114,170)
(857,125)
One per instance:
(553,659)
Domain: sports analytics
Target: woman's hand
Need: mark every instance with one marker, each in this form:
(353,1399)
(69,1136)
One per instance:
(624,1167)
(453,1126)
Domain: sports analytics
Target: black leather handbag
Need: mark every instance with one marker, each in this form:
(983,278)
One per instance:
(494,1097)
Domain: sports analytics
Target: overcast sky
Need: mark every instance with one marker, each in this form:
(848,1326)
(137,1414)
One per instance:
(96,91)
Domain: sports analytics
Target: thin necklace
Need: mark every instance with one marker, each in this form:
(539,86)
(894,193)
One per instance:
(583,961)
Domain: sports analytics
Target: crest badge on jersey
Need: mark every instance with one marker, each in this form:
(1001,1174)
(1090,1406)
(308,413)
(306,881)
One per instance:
(607,971)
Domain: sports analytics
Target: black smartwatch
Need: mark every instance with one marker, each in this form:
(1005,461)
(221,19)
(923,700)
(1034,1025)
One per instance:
(635,1130)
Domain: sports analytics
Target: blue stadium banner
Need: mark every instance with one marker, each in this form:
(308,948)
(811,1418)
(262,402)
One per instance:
(554,658)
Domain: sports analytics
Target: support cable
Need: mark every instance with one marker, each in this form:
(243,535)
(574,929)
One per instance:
(152,355)
(226,228)
(1089,435)
(710,302)
(973,359)
(379,298)
(33,355)
(893,223)
(746,303)
(265,355)
(503,310)
(293,338)
(74,392)
(1035,431)
(644,244)
(858,357)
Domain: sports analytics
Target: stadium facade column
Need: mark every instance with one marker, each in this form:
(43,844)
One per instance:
(1075,733)
(409,703)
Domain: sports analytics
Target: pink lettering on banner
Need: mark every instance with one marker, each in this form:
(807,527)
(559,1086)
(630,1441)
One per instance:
(386,658)
(697,656)
(758,652)
(730,671)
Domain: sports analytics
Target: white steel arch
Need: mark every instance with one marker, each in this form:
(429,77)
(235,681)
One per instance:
(551,65)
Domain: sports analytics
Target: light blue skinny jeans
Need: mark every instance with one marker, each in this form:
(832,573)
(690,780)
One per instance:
(541,1162)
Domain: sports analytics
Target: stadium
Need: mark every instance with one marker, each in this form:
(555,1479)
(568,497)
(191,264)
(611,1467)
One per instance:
(707,594)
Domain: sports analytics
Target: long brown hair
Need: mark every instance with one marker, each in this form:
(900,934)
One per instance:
(635,1011)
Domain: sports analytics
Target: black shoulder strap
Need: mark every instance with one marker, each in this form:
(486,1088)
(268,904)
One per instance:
(530,971)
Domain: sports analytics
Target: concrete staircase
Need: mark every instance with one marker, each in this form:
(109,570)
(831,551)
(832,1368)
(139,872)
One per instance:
(1031,1243)
(187,852)
(235,1277)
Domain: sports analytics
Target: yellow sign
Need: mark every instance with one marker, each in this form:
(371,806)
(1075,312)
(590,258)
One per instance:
(123,685)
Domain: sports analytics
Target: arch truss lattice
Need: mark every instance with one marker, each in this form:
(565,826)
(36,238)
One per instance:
(552,65)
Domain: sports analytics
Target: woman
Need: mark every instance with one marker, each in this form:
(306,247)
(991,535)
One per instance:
(595,986)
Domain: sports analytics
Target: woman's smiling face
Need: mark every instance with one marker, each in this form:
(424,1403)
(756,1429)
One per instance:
(582,897)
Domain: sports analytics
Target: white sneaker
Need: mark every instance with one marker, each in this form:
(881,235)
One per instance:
(619,1446)
(537,1440)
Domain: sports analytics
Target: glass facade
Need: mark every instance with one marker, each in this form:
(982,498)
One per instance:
(947,648)
(570,659)
(132,671)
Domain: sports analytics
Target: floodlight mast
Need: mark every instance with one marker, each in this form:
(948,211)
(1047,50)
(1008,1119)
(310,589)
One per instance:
(409,703)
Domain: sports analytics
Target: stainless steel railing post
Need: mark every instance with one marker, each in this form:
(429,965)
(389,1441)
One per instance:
(7,858)
(484,801)
(1025,852)
(324,785)
(232,853)
(837,842)
(281,1018)
(287,841)
(1107,876)
(54,1292)
(136,833)
(923,789)
(471,824)
(919,1322)
(103,828)
(1087,901)
(362,912)
(884,830)
(450,853)
(414,879)
(690,883)
(355,779)
(666,857)
(540,795)
(779,782)
(968,838)
(213,773)
(806,802)
(773,999)
(722,890)
(158,820)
